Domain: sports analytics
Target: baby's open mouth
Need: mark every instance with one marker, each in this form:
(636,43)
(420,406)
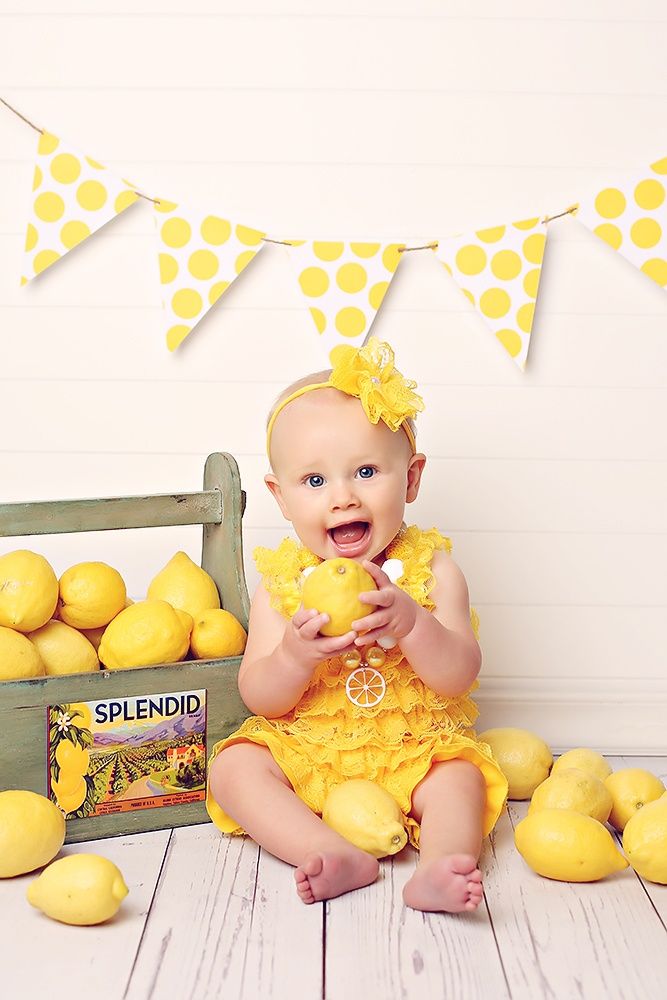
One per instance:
(351,538)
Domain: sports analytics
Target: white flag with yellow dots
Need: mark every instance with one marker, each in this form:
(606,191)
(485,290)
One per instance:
(631,217)
(499,270)
(200,255)
(73,196)
(344,285)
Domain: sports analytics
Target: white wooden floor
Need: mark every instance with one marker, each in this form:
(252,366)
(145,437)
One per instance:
(209,916)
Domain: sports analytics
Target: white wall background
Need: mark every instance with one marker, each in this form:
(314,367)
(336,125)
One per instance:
(384,120)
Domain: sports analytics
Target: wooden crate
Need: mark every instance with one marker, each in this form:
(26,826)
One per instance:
(23,704)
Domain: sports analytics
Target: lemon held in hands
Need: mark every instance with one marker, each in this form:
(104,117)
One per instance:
(80,889)
(333,588)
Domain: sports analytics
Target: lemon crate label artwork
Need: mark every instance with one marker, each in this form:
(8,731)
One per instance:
(124,754)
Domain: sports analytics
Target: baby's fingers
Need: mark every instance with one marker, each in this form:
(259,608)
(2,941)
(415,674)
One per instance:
(311,628)
(303,615)
(337,643)
(379,598)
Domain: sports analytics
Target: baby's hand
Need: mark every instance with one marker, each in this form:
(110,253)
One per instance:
(396,612)
(304,643)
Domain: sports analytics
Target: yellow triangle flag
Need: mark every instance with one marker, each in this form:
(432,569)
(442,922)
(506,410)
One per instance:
(499,270)
(200,255)
(73,196)
(631,216)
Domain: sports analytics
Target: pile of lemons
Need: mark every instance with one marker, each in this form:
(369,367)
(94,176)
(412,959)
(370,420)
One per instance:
(573,803)
(51,626)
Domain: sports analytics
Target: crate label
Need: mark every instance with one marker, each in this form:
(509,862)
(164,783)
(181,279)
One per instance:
(121,754)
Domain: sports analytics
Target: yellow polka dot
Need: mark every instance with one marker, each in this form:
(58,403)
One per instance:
(176,335)
(168,268)
(471,259)
(495,302)
(656,268)
(491,235)
(30,237)
(649,194)
(531,282)
(47,143)
(365,249)
(73,233)
(215,231)
(94,164)
(468,294)
(391,258)
(351,278)
(350,322)
(314,281)
(610,203)
(44,259)
(216,291)
(124,200)
(526,224)
(533,248)
(660,166)
(446,266)
(176,232)
(24,280)
(251,237)
(377,293)
(510,340)
(49,207)
(187,303)
(328,251)
(65,168)
(506,265)
(165,206)
(244,259)
(524,317)
(336,354)
(320,319)
(91,195)
(203,264)
(610,233)
(645,233)
(37,178)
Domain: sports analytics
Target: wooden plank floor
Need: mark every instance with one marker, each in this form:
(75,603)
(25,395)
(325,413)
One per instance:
(209,916)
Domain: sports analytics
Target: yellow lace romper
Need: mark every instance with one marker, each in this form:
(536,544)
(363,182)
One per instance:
(327,739)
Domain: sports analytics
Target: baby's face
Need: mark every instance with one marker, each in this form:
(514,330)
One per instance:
(342,481)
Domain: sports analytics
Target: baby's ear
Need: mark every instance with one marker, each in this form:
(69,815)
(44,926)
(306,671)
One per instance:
(415,469)
(274,488)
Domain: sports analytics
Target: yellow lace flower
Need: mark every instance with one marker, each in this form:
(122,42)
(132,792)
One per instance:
(368,373)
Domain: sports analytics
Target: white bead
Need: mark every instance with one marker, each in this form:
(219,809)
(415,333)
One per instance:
(393,568)
(387,641)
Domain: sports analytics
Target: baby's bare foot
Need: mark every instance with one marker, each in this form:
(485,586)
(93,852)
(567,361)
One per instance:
(452,884)
(325,875)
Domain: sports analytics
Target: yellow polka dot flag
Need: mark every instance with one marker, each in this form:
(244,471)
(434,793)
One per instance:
(498,270)
(344,285)
(631,217)
(72,197)
(200,255)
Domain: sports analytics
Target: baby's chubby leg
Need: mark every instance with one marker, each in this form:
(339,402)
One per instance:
(246,782)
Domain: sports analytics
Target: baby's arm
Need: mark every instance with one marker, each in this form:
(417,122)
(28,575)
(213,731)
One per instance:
(280,657)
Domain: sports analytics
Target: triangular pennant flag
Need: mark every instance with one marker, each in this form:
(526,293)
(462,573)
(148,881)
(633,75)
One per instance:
(344,285)
(73,196)
(499,270)
(200,255)
(631,216)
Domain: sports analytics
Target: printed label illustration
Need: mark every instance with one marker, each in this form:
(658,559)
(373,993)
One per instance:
(119,755)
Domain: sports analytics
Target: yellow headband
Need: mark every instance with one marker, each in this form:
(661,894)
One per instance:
(367,373)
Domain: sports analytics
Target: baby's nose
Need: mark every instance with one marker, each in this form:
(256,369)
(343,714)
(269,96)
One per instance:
(344,496)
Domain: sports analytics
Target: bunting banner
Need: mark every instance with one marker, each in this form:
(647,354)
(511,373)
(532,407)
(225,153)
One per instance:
(498,269)
(631,216)
(199,256)
(74,196)
(344,285)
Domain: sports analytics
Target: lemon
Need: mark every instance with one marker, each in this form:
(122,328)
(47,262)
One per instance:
(70,792)
(217,633)
(71,758)
(28,590)
(366,815)
(585,760)
(18,656)
(571,788)
(64,650)
(631,789)
(566,845)
(94,635)
(80,889)
(523,757)
(32,831)
(645,841)
(91,594)
(185,585)
(333,588)
(146,633)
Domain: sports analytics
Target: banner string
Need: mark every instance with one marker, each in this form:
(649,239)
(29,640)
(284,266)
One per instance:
(288,243)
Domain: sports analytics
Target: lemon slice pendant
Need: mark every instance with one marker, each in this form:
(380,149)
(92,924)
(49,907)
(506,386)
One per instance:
(365,686)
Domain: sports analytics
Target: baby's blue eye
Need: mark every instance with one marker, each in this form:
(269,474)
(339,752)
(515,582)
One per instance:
(366,472)
(315,481)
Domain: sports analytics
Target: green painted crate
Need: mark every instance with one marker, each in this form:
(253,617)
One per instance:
(23,704)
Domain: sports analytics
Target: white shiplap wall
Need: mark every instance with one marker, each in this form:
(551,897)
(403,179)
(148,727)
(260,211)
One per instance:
(366,119)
